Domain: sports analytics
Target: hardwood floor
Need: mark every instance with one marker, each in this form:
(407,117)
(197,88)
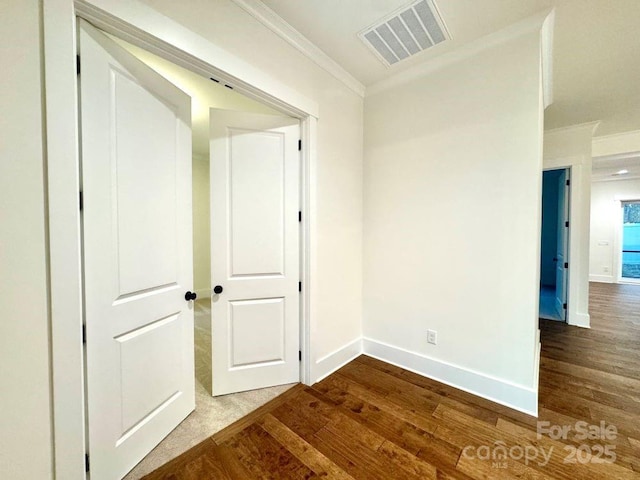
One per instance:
(372,420)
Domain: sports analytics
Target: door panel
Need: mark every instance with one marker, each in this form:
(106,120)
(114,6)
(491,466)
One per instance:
(255,169)
(264,319)
(562,245)
(136,174)
(147,257)
(143,394)
(257,202)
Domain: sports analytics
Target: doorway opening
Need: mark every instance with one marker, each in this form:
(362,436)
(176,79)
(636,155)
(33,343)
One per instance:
(630,252)
(158,34)
(554,261)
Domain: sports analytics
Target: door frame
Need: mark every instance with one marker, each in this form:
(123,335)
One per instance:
(567,237)
(145,27)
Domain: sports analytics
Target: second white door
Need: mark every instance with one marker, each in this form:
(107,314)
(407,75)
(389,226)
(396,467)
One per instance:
(255,232)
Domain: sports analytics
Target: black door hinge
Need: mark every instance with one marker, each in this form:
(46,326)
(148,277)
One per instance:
(564,305)
(300,216)
(84,333)
(568,182)
(299,286)
(81,200)
(299,145)
(566,224)
(566,265)
(86,462)
(78,64)
(299,355)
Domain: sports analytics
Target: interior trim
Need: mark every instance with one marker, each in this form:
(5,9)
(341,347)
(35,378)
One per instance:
(279,26)
(509,394)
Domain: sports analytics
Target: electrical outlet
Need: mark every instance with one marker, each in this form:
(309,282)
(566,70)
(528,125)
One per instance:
(432,336)
(605,269)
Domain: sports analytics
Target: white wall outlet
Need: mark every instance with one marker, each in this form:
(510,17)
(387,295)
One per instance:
(605,269)
(432,336)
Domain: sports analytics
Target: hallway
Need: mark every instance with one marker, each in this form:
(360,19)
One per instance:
(594,374)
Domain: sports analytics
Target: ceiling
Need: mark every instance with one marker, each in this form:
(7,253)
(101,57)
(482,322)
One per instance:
(596,47)
(607,168)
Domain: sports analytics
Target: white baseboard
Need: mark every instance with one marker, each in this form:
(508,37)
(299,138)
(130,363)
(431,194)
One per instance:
(328,364)
(601,278)
(514,396)
(580,320)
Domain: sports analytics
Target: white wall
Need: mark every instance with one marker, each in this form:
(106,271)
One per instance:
(25,403)
(606,218)
(453,167)
(571,148)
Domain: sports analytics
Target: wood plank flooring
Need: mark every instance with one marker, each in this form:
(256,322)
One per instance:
(371,420)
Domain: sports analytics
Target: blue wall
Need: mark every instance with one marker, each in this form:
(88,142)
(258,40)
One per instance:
(549,227)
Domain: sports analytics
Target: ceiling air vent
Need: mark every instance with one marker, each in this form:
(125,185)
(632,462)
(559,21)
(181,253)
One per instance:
(406,32)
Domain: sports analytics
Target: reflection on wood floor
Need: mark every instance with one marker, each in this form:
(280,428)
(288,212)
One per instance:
(371,420)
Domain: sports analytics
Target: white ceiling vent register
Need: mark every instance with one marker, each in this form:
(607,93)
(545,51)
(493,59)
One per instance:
(406,32)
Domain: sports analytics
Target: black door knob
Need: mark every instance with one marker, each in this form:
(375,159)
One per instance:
(190,296)
(217,289)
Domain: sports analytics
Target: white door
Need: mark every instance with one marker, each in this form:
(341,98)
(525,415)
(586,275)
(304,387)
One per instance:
(136,173)
(255,171)
(562,246)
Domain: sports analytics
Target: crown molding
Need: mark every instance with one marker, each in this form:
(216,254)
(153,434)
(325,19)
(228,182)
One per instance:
(589,127)
(617,156)
(625,178)
(541,22)
(280,27)
(604,138)
(633,135)
(616,143)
